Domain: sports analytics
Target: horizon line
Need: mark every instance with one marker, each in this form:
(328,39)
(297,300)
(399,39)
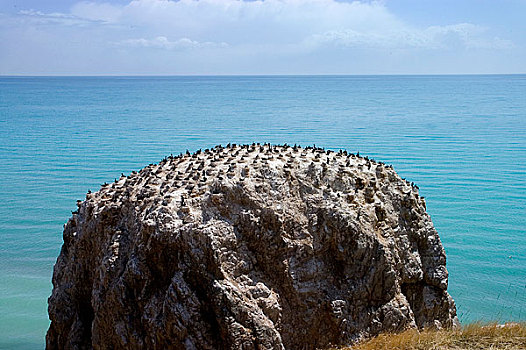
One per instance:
(241,75)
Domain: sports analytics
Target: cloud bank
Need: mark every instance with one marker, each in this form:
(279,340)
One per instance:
(232,37)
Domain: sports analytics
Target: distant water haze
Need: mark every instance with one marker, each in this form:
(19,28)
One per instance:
(461,139)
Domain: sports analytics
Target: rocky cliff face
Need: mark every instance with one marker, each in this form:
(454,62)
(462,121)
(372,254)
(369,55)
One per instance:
(248,247)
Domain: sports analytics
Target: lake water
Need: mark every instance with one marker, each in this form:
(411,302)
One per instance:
(462,139)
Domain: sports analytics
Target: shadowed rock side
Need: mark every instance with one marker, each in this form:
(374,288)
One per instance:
(248,247)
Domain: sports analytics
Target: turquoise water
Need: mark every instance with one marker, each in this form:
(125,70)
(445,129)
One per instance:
(462,139)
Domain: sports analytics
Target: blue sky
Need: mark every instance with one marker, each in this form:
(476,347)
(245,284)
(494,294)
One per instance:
(150,37)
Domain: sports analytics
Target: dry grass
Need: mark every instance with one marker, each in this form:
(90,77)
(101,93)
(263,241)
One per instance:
(474,336)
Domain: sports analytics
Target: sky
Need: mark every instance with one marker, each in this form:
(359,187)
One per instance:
(231,37)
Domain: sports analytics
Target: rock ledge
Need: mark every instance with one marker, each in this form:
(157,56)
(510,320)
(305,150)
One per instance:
(248,247)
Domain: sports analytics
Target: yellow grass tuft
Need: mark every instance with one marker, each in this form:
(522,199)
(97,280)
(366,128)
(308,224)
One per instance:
(475,336)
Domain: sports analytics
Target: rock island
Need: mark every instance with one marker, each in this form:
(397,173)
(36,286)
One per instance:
(249,247)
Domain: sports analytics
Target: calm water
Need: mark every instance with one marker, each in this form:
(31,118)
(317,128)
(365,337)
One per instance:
(462,139)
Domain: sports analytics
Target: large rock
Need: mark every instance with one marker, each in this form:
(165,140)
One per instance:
(248,247)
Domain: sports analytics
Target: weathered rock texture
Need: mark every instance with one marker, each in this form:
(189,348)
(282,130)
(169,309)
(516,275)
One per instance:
(248,247)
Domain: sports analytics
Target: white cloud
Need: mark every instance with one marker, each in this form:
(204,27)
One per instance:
(349,38)
(34,17)
(36,13)
(312,23)
(162,42)
(464,35)
(92,11)
(261,33)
